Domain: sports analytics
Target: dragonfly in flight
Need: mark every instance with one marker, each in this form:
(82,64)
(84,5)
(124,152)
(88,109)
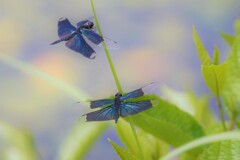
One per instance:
(74,36)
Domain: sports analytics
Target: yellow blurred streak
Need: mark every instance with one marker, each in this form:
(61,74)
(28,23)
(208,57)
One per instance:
(11,36)
(56,66)
(34,71)
(28,97)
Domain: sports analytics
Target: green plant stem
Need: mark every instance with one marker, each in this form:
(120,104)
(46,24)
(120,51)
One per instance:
(233,116)
(107,52)
(136,139)
(220,108)
(232,124)
(219,104)
(116,77)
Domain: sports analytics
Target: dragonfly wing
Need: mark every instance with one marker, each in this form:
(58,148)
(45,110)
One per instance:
(57,41)
(65,38)
(81,23)
(78,44)
(97,39)
(151,88)
(108,113)
(131,108)
(92,36)
(101,103)
(111,44)
(133,94)
(65,28)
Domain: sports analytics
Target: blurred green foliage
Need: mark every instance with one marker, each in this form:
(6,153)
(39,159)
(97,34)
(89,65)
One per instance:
(18,143)
(164,126)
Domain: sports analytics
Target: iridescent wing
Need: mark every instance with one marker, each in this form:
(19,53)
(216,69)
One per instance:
(101,103)
(134,94)
(65,28)
(92,36)
(148,89)
(78,44)
(131,108)
(65,38)
(108,113)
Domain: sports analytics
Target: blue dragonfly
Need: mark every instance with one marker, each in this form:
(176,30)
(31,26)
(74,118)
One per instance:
(120,105)
(74,36)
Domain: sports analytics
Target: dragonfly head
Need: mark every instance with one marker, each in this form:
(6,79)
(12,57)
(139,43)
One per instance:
(88,25)
(118,95)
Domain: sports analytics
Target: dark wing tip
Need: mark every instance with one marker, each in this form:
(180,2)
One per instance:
(53,43)
(57,41)
(92,104)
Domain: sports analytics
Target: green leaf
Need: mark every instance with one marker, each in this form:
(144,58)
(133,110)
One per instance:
(202,52)
(214,128)
(152,147)
(123,153)
(126,136)
(186,157)
(231,90)
(80,140)
(237,26)
(228,38)
(165,121)
(215,76)
(202,111)
(20,143)
(202,141)
(216,56)
(224,150)
(191,103)
(181,99)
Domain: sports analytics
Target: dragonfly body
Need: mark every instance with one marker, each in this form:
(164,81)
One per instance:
(119,106)
(74,36)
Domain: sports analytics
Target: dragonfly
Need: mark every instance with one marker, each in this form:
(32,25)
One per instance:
(120,106)
(74,36)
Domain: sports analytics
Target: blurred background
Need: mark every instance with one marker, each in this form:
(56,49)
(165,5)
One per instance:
(40,83)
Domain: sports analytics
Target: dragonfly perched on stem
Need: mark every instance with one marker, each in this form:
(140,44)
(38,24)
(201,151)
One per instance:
(122,105)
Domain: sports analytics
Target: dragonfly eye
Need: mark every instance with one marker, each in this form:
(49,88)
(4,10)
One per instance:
(118,95)
(90,24)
